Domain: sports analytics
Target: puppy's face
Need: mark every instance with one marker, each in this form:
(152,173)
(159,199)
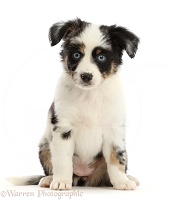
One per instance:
(88,58)
(92,53)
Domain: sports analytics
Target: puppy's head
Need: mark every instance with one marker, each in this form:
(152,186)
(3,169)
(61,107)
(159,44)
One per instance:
(92,53)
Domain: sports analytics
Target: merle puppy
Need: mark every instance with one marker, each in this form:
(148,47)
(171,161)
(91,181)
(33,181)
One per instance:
(84,141)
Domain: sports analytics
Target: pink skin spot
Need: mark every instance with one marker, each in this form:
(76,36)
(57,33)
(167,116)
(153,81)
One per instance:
(80,168)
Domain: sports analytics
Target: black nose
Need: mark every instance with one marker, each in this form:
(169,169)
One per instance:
(86,77)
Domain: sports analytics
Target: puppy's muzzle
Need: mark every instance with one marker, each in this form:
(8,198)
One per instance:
(86,77)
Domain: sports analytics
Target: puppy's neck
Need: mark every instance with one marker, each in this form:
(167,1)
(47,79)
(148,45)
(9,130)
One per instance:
(104,93)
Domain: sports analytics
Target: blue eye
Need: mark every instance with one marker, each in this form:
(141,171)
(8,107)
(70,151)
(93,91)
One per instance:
(101,58)
(76,56)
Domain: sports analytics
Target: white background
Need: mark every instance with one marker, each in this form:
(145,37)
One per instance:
(29,70)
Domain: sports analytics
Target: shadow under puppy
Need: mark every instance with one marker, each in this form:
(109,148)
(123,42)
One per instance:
(84,141)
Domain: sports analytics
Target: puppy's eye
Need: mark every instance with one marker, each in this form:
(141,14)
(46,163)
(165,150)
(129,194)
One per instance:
(76,56)
(101,58)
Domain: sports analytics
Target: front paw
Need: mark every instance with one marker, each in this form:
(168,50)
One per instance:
(124,185)
(61,185)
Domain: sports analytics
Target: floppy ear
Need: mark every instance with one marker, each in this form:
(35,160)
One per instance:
(64,30)
(125,39)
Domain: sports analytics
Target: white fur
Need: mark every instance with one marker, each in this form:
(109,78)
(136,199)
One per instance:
(92,37)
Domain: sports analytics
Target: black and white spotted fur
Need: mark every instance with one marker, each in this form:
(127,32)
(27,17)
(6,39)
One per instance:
(84,141)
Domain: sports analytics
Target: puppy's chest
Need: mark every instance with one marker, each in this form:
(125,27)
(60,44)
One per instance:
(89,129)
(92,112)
(88,142)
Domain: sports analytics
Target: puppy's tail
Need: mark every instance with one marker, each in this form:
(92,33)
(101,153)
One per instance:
(26,180)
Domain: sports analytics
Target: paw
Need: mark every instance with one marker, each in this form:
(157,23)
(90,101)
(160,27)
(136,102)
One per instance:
(131,178)
(45,181)
(60,185)
(124,185)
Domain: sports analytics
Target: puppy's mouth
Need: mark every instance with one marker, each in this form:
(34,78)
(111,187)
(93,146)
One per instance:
(85,86)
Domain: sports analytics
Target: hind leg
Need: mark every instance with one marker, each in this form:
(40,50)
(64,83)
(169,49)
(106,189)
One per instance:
(45,181)
(45,160)
(44,151)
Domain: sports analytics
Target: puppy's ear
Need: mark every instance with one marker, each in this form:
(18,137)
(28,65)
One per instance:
(64,30)
(125,39)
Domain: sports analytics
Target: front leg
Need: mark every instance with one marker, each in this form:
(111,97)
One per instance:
(116,158)
(62,148)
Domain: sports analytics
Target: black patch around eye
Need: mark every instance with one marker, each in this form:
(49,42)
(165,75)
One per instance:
(71,50)
(72,63)
(104,66)
(116,49)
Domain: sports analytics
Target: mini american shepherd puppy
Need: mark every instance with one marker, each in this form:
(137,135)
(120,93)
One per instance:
(84,141)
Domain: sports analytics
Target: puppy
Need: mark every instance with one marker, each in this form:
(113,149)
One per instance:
(84,141)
